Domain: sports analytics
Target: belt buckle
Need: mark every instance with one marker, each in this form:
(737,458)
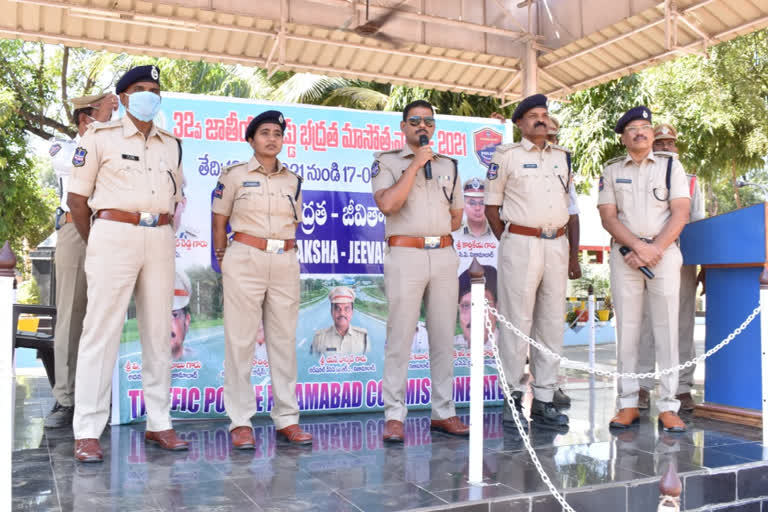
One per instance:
(432,242)
(149,220)
(275,246)
(548,233)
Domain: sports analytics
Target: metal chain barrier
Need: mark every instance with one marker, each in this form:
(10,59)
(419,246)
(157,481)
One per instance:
(578,365)
(526,440)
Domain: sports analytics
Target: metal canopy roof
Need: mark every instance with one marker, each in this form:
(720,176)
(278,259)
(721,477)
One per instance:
(502,48)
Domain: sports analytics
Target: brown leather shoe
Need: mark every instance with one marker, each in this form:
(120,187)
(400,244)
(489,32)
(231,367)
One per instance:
(671,422)
(625,418)
(393,431)
(166,439)
(452,425)
(88,450)
(294,434)
(644,399)
(242,438)
(686,402)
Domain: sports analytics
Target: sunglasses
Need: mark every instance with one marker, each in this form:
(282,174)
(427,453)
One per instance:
(416,121)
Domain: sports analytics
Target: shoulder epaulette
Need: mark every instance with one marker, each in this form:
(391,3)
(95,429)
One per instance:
(377,154)
(501,148)
(228,168)
(167,133)
(614,160)
(102,126)
(561,148)
(361,330)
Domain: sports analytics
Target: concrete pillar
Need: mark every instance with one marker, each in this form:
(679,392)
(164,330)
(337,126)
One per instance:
(530,70)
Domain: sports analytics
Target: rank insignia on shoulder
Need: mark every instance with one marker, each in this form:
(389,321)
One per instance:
(601,184)
(251,183)
(493,171)
(219,190)
(54,149)
(375,169)
(78,159)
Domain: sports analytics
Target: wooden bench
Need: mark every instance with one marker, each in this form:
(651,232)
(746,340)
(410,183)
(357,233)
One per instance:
(42,340)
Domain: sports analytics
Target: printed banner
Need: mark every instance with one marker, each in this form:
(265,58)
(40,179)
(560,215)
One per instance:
(340,243)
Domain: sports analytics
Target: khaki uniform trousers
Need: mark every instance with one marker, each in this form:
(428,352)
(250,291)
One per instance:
(71,301)
(628,287)
(260,284)
(533,277)
(686,349)
(121,260)
(410,275)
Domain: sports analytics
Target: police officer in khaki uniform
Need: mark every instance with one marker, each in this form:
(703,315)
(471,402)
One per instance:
(128,174)
(530,182)
(71,292)
(261,199)
(420,194)
(665,140)
(644,203)
(341,337)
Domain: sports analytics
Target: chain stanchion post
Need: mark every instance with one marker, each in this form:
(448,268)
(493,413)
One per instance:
(670,487)
(7,333)
(592,328)
(477,373)
(764,350)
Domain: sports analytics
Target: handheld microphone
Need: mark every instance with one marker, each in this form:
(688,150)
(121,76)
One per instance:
(624,250)
(424,141)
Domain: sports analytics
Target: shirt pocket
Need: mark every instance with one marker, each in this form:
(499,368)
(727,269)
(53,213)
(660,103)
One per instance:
(284,203)
(624,192)
(250,198)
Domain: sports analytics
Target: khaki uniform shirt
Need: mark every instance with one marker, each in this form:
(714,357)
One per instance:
(640,191)
(116,167)
(426,211)
(530,184)
(258,202)
(328,340)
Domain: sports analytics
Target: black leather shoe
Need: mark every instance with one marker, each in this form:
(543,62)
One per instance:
(561,400)
(546,412)
(60,416)
(517,399)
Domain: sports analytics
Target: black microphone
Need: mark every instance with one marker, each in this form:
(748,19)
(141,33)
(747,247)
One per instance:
(624,250)
(424,141)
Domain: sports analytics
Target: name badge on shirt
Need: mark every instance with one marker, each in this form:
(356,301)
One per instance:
(530,166)
(623,180)
(131,157)
(251,183)
(330,349)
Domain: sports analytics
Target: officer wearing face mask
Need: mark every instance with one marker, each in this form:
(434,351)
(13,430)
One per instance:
(127,176)
(70,258)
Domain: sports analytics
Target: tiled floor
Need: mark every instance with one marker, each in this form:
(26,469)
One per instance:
(349,468)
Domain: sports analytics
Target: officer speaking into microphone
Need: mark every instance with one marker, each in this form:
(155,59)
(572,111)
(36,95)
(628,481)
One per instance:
(420,194)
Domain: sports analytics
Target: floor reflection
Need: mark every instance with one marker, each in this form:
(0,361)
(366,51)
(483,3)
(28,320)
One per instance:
(348,467)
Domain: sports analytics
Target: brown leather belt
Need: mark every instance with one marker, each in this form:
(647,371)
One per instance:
(420,242)
(549,234)
(135,218)
(265,244)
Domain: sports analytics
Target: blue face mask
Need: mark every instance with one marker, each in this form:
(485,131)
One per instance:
(144,105)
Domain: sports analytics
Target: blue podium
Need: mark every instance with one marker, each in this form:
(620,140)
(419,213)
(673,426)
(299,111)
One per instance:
(732,249)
